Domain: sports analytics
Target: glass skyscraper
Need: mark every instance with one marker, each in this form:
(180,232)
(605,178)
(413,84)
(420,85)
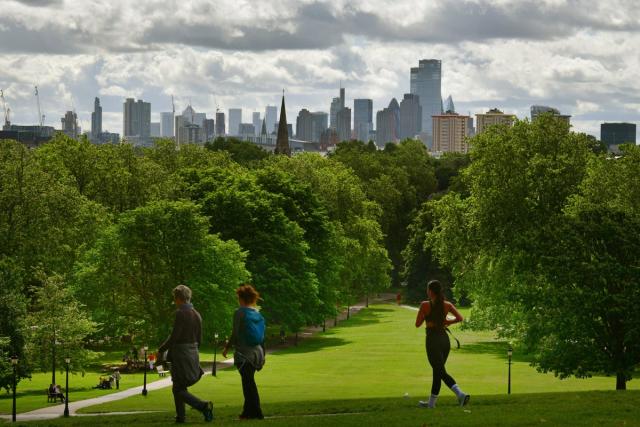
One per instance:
(426,82)
(362,118)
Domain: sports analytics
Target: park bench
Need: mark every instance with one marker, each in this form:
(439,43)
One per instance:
(51,397)
(161,371)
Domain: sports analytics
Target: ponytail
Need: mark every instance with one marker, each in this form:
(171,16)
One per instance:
(437,306)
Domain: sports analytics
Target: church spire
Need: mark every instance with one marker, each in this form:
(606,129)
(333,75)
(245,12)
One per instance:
(264,127)
(282,143)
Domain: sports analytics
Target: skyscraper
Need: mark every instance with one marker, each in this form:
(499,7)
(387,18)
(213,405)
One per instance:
(166,125)
(450,133)
(270,117)
(235,118)
(410,116)
(220,130)
(96,120)
(304,123)
(448,105)
(362,118)
(337,104)
(493,117)
(70,124)
(257,122)
(536,110)
(282,142)
(344,124)
(615,134)
(137,121)
(426,83)
(319,123)
(154,129)
(209,129)
(387,124)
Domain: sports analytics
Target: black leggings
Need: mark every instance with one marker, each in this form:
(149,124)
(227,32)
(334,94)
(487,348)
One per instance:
(251,408)
(438,347)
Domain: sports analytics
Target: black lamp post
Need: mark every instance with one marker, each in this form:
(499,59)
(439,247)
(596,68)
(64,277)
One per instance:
(67,360)
(214,369)
(14,364)
(144,389)
(509,354)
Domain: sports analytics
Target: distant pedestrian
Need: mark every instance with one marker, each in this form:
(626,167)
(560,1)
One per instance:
(398,298)
(117,376)
(434,313)
(248,340)
(183,346)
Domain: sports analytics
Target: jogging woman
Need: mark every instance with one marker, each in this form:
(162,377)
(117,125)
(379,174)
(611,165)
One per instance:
(434,313)
(248,339)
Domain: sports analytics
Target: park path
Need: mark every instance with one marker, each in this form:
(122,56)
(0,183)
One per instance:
(51,412)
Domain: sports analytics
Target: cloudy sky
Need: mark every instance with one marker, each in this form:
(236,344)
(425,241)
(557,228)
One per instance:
(581,56)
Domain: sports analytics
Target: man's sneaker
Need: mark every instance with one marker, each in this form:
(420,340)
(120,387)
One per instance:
(423,403)
(208,412)
(464,399)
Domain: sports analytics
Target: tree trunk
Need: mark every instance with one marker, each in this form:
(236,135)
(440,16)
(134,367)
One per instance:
(621,381)
(348,311)
(296,342)
(324,325)
(367,301)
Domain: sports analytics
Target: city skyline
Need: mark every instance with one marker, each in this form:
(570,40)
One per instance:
(569,55)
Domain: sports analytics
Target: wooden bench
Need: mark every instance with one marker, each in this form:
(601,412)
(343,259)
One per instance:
(161,371)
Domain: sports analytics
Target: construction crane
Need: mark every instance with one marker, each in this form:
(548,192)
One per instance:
(6,110)
(40,116)
(173,106)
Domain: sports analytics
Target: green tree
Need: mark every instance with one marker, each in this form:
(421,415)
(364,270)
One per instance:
(127,278)
(243,152)
(56,327)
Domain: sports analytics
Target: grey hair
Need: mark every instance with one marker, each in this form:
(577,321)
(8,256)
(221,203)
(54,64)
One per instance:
(182,292)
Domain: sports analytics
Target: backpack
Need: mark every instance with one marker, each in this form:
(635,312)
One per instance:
(254,326)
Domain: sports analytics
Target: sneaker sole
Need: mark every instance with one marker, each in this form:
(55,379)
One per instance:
(466,399)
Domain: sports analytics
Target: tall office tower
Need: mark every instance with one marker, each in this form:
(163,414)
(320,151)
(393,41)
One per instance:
(344,124)
(137,121)
(450,133)
(187,132)
(282,141)
(220,130)
(209,130)
(166,125)
(448,105)
(235,118)
(410,116)
(270,117)
(333,113)
(536,110)
(304,123)
(615,134)
(493,117)
(387,124)
(362,118)
(96,120)
(426,83)
(70,124)
(257,121)
(155,129)
(319,123)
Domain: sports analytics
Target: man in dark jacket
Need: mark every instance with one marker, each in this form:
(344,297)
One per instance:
(183,345)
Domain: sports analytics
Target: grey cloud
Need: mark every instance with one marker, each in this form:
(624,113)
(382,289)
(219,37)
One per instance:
(39,3)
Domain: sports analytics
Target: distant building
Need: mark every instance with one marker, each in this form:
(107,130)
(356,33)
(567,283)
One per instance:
(166,125)
(155,129)
(270,117)
(209,130)
(187,132)
(96,119)
(235,118)
(289,129)
(137,122)
(337,104)
(448,105)
(328,139)
(493,117)
(410,116)
(362,118)
(32,136)
(450,132)
(108,138)
(70,125)
(536,110)
(426,82)
(304,123)
(344,124)
(282,141)
(246,129)
(319,123)
(615,134)
(257,122)
(220,130)
(388,124)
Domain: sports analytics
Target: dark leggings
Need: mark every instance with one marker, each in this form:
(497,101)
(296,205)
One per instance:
(438,347)
(251,408)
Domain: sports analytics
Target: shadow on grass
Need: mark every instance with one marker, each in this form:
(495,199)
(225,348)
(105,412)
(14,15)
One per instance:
(495,348)
(366,316)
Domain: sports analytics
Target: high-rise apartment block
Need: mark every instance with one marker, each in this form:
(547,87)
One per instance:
(70,125)
(388,124)
(235,118)
(493,117)
(426,82)
(270,118)
(209,130)
(220,129)
(257,122)
(137,121)
(410,116)
(96,120)
(344,124)
(166,125)
(450,133)
(362,118)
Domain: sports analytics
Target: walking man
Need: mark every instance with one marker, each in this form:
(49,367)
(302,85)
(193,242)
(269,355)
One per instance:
(183,344)
(116,376)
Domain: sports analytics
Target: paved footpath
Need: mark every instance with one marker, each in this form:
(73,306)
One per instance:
(51,412)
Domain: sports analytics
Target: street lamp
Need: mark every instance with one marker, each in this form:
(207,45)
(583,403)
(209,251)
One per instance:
(67,360)
(144,389)
(214,369)
(509,354)
(14,364)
